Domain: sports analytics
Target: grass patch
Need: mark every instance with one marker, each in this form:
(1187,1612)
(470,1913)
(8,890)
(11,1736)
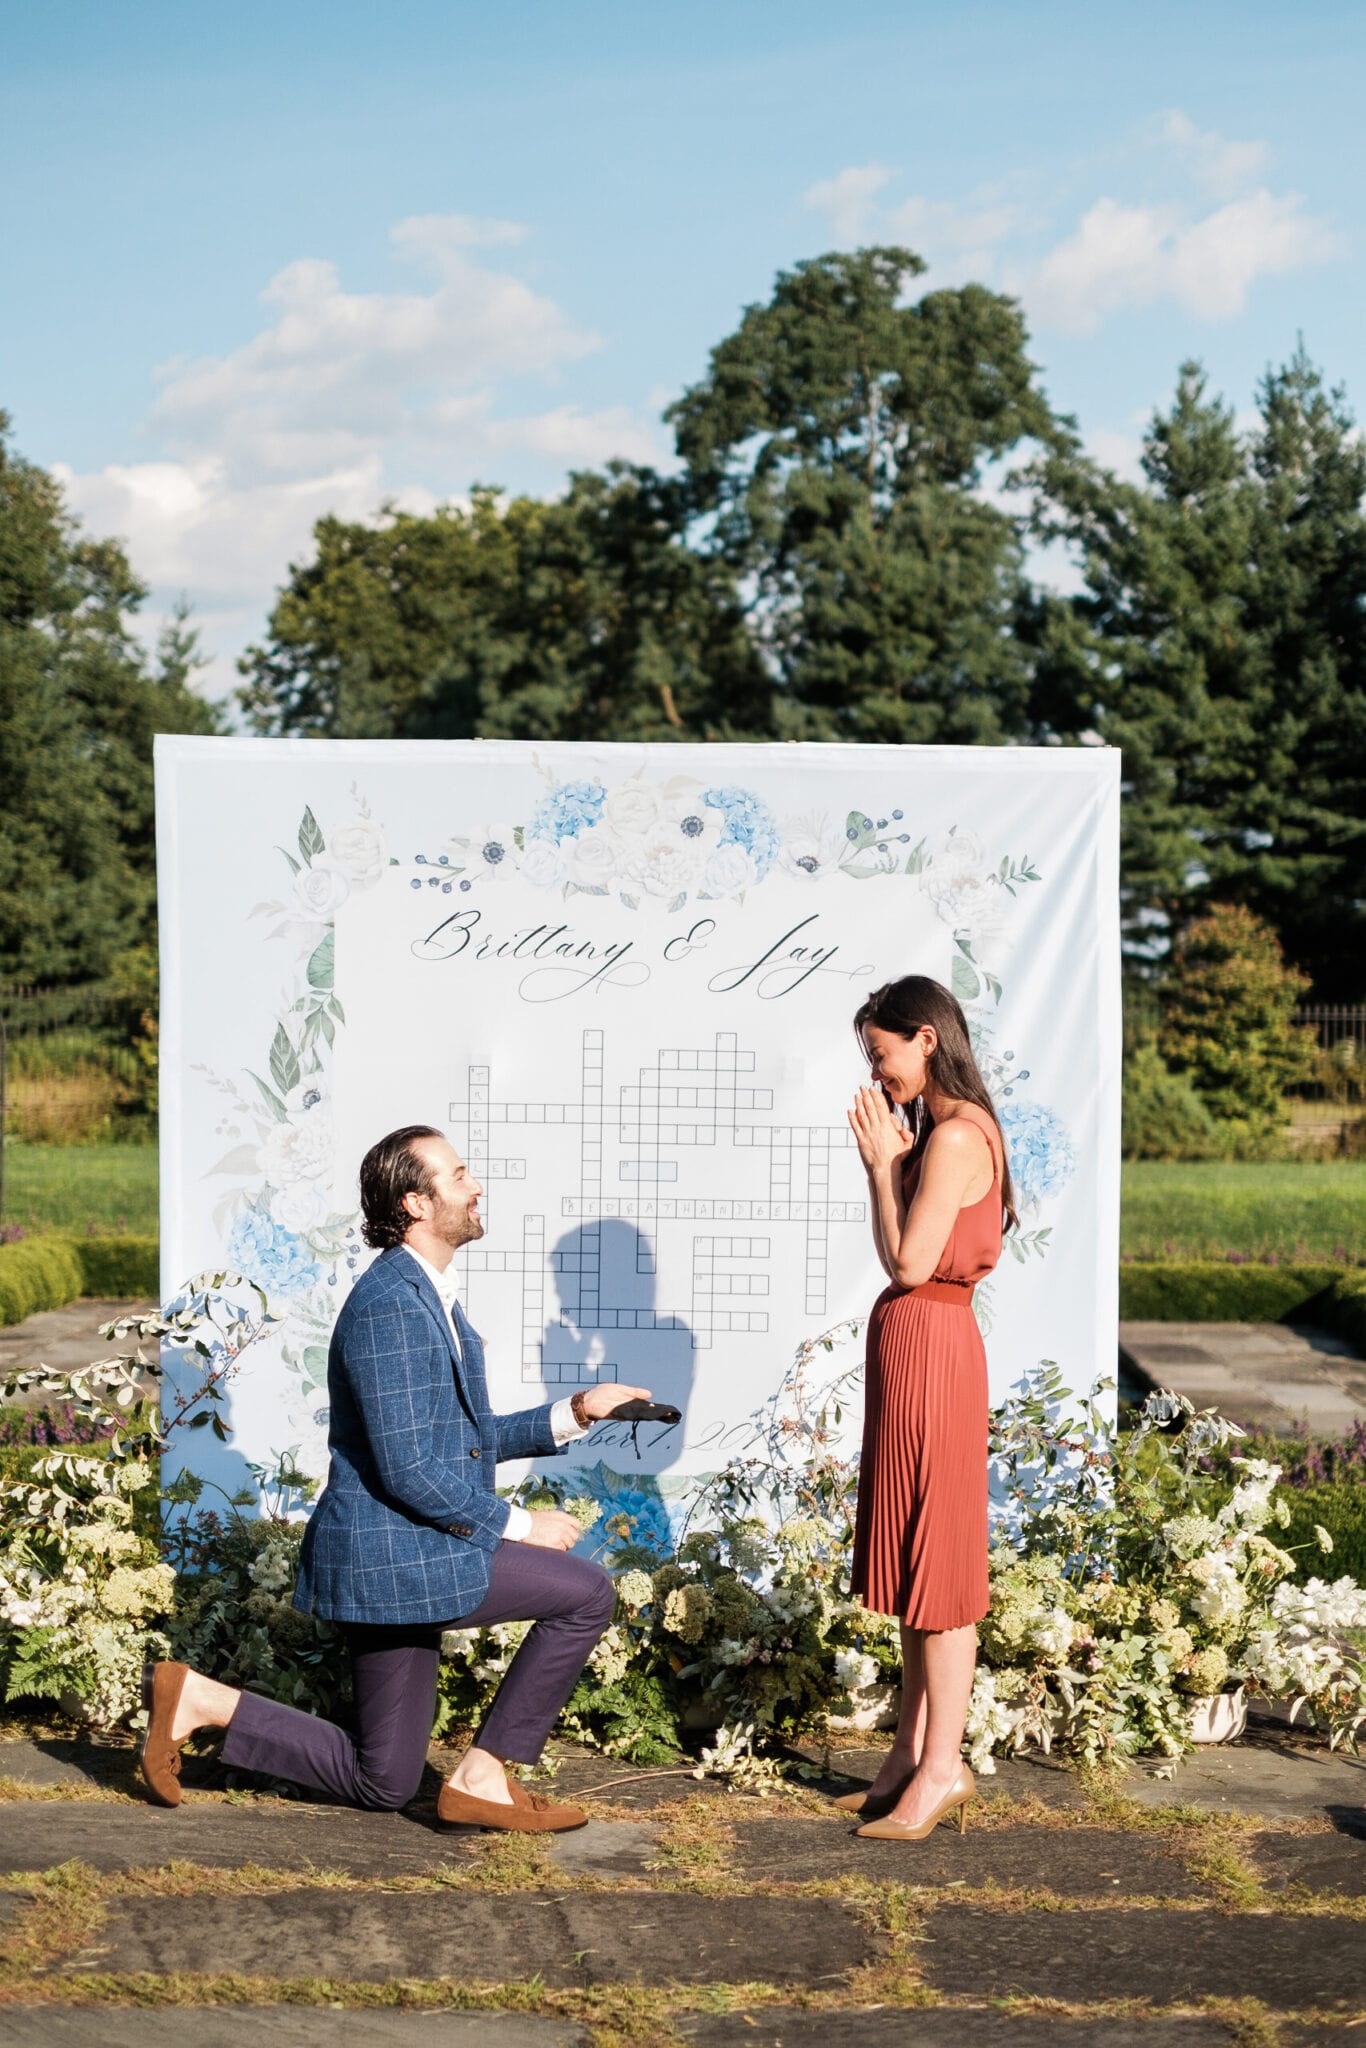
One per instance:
(1269,1211)
(74,1188)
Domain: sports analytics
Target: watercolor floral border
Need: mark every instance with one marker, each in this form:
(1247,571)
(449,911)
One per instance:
(649,842)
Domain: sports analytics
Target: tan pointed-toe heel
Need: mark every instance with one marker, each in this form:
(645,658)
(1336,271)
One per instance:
(869,1803)
(955,1799)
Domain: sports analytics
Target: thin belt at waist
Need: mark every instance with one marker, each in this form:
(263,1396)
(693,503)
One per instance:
(959,1292)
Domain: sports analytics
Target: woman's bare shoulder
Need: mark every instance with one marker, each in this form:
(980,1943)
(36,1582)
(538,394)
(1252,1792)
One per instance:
(960,1137)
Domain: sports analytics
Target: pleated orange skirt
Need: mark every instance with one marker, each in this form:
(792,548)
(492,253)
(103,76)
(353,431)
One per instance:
(920,1535)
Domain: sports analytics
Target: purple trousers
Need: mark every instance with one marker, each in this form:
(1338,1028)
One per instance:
(394,1673)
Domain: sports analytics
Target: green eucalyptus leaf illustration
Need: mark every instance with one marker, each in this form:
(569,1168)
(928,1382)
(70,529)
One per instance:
(311,840)
(321,962)
(966,986)
(270,1098)
(284,1062)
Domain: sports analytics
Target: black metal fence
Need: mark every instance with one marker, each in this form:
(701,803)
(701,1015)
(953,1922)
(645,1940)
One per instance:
(1339,1074)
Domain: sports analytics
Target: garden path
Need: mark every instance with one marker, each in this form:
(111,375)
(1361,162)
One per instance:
(1223,1905)
(1274,1374)
(61,1339)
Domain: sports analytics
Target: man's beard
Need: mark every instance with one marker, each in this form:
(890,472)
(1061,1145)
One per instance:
(458,1227)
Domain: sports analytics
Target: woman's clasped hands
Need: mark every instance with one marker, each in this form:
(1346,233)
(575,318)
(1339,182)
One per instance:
(880,1137)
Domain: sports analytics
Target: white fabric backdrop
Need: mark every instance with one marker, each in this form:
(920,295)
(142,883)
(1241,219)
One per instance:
(622,979)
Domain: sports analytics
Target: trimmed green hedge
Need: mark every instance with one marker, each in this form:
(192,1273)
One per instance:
(1340,1507)
(1343,1309)
(47,1272)
(38,1273)
(120,1268)
(1213,1291)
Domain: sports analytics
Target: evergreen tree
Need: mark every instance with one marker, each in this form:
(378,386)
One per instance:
(1219,643)
(1228,1018)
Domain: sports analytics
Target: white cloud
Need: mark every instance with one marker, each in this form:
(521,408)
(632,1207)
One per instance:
(1201,231)
(341,401)
(848,199)
(958,240)
(1121,256)
(1222,167)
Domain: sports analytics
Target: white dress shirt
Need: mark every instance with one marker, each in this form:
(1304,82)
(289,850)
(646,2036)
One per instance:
(563,1427)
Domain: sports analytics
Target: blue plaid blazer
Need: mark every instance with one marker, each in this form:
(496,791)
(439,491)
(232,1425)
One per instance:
(406,1527)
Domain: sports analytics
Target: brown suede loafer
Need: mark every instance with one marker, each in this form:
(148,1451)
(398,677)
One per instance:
(159,1757)
(528,1814)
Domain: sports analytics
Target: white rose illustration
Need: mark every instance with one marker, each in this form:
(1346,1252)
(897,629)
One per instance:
(322,889)
(358,849)
(297,1151)
(632,810)
(729,871)
(959,852)
(299,1208)
(541,864)
(960,884)
(665,865)
(968,903)
(813,847)
(591,859)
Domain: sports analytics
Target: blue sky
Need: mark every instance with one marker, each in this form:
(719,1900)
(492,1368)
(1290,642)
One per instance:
(266,262)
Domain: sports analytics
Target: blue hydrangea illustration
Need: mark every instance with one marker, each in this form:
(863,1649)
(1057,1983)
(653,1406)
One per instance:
(656,1523)
(749,824)
(275,1259)
(567,811)
(1041,1157)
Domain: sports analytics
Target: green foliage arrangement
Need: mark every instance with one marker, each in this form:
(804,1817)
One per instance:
(1228,1022)
(1127,1581)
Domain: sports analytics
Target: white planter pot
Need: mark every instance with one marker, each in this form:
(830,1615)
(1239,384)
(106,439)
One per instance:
(877,1706)
(1220,1718)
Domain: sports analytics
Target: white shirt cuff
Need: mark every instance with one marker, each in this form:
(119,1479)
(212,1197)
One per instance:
(563,1427)
(519,1524)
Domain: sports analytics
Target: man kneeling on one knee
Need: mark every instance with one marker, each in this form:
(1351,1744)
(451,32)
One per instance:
(409,1536)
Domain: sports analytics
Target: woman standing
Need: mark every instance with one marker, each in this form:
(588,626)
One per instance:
(940,1197)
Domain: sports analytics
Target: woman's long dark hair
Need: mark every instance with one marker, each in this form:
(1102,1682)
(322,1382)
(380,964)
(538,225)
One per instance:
(901,1007)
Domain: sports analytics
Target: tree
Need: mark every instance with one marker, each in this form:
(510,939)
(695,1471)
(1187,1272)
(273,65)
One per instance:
(1219,643)
(587,617)
(78,708)
(1228,1021)
(835,454)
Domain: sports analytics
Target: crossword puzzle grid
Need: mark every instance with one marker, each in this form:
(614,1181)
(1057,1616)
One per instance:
(664,1110)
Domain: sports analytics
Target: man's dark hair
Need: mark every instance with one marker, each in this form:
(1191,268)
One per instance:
(389,1171)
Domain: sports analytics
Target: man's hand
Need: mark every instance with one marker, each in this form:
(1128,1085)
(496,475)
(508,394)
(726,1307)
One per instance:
(599,1401)
(551,1530)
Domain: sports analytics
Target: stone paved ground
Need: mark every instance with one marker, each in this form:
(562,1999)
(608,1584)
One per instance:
(61,1339)
(1275,1374)
(1226,1905)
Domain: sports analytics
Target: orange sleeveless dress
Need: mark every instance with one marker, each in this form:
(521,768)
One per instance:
(920,1535)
